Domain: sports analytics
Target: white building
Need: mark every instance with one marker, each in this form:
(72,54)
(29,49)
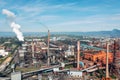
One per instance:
(55,69)
(70,51)
(3,52)
(75,73)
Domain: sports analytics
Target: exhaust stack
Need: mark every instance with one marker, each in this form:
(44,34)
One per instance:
(78,54)
(48,60)
(114,51)
(33,49)
(107,54)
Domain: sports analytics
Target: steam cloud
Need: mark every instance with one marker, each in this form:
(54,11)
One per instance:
(13,25)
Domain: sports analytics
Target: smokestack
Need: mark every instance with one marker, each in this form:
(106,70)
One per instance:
(114,51)
(119,43)
(78,54)
(16,27)
(107,54)
(32,49)
(48,60)
(33,53)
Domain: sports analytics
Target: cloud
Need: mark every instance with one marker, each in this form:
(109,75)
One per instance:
(45,11)
(68,14)
(96,22)
(8,13)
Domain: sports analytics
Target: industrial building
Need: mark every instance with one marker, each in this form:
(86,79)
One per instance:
(99,56)
(70,51)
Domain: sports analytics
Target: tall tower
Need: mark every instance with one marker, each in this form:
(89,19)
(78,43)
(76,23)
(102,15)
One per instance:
(33,50)
(107,68)
(33,53)
(114,54)
(119,43)
(78,54)
(48,52)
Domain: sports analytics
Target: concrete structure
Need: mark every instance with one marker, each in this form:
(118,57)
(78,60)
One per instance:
(5,64)
(33,49)
(21,55)
(4,78)
(23,50)
(75,73)
(48,60)
(50,77)
(55,69)
(16,76)
(78,54)
(70,51)
(107,71)
(39,77)
(33,53)
(24,46)
(53,59)
(62,64)
(117,57)
(107,67)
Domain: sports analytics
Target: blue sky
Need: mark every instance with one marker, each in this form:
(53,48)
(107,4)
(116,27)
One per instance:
(62,15)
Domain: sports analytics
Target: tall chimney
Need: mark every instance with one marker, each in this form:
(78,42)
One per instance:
(33,53)
(78,54)
(107,68)
(48,60)
(114,55)
(119,43)
(32,49)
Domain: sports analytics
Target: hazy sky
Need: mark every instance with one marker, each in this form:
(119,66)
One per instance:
(62,15)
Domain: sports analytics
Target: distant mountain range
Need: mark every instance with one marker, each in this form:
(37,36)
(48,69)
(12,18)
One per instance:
(113,33)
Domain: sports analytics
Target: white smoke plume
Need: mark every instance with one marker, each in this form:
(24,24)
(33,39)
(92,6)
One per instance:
(14,26)
(8,13)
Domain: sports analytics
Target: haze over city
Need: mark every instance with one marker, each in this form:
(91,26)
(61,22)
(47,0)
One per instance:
(62,15)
